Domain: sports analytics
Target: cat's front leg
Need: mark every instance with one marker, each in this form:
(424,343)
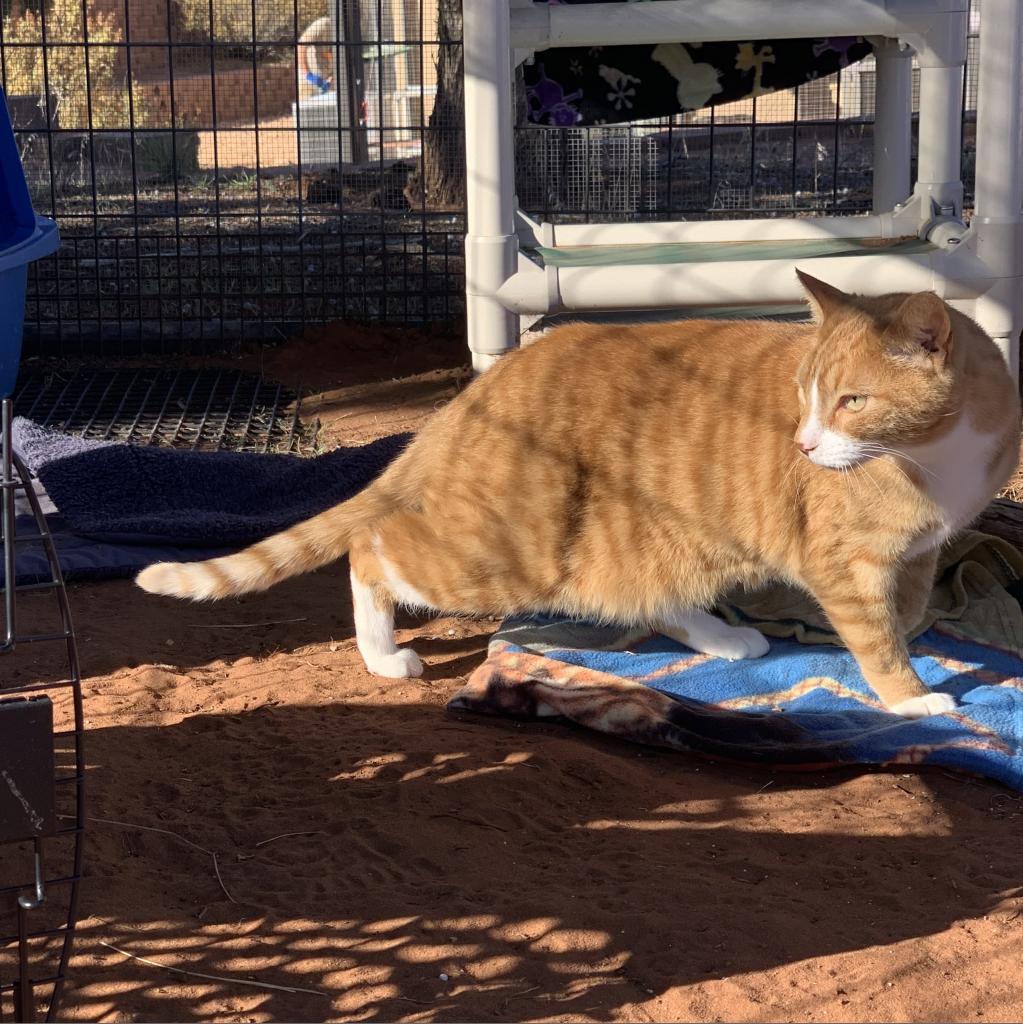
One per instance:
(916,581)
(708,634)
(860,598)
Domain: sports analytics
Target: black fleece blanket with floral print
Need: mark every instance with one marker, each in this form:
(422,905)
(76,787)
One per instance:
(613,84)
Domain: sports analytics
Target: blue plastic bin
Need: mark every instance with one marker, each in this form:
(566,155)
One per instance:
(24,237)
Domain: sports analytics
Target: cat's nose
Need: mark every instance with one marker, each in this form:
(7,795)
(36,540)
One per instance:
(806,448)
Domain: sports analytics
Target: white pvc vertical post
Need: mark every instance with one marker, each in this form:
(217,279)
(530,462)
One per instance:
(343,75)
(893,124)
(939,154)
(491,245)
(998,208)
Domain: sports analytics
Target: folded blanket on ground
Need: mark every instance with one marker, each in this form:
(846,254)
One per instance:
(649,689)
(123,492)
(84,558)
(121,507)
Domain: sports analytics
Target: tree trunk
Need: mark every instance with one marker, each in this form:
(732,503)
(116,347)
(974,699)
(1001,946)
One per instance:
(440,182)
(1004,519)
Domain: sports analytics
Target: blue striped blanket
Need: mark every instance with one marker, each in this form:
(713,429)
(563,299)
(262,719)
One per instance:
(803,705)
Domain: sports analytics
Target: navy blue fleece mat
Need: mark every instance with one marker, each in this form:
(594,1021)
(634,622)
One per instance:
(120,507)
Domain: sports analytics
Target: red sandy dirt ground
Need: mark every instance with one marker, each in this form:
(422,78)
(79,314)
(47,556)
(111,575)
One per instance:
(455,868)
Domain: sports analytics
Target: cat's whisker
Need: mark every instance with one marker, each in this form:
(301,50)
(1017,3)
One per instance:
(850,479)
(902,455)
(902,469)
(793,472)
(789,473)
(870,477)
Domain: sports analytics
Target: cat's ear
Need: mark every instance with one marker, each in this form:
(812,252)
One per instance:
(921,329)
(824,299)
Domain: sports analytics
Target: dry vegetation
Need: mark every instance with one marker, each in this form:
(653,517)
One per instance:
(30,67)
(246,21)
(82,61)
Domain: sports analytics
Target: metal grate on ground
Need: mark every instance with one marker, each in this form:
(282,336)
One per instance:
(201,409)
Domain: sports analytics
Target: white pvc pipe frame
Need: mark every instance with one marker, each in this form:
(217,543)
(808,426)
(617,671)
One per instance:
(540,26)
(979,270)
(893,123)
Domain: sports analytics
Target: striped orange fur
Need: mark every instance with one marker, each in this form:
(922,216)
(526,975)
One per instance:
(635,473)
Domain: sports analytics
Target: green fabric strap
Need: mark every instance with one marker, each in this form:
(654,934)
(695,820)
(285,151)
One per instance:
(723,252)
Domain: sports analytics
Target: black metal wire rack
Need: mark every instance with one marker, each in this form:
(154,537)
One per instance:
(203,409)
(43,770)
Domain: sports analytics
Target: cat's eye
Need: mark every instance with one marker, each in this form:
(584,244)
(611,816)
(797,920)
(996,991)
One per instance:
(853,403)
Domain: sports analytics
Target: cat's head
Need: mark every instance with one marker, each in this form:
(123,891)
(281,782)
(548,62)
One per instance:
(879,376)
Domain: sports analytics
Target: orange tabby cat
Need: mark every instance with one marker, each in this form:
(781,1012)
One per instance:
(634,474)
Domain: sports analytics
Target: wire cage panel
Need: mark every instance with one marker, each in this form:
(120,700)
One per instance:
(41,730)
(231,171)
(209,190)
(611,170)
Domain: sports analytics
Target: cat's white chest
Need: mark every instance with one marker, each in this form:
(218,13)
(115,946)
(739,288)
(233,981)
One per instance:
(956,478)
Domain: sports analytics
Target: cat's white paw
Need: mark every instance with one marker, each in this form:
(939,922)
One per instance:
(922,707)
(405,664)
(708,634)
(740,642)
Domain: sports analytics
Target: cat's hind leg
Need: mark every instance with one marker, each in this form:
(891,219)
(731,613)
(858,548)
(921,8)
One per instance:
(374,628)
(708,634)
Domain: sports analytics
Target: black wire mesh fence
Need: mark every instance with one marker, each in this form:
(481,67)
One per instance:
(192,152)
(231,170)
